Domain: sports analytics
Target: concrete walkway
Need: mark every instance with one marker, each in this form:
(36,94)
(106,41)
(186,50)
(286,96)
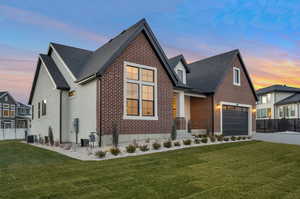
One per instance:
(287,137)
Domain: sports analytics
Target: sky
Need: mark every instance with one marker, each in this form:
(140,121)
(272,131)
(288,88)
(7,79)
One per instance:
(267,32)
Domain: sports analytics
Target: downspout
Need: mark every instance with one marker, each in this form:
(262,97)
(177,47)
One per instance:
(60,116)
(100,133)
(213,115)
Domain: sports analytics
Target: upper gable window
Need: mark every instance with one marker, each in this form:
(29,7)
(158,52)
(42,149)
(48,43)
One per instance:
(180,74)
(236,76)
(140,91)
(5,98)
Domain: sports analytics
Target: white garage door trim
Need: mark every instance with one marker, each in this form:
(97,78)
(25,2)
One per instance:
(236,104)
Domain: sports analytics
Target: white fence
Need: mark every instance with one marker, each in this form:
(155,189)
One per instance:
(12,134)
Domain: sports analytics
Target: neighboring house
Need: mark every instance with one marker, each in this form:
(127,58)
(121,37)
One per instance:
(130,84)
(13,114)
(278,101)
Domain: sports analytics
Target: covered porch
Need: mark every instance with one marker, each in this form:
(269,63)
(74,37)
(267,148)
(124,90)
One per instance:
(185,112)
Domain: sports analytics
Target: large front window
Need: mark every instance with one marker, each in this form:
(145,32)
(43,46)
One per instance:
(140,87)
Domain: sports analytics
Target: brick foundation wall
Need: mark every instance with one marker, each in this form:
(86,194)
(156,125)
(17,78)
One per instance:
(180,123)
(110,93)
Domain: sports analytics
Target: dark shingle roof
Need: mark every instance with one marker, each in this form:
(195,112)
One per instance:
(173,61)
(56,75)
(54,72)
(73,57)
(277,88)
(84,63)
(2,92)
(289,100)
(206,74)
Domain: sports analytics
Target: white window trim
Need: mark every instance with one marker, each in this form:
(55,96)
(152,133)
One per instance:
(235,83)
(125,80)
(250,110)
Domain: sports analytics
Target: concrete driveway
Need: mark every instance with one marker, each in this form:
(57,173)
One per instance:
(287,137)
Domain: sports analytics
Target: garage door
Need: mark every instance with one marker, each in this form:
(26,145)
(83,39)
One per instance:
(235,120)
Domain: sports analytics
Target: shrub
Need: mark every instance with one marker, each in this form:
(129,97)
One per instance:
(115,135)
(50,136)
(243,138)
(197,141)
(212,139)
(204,140)
(233,138)
(156,145)
(174,132)
(220,138)
(249,137)
(187,142)
(144,147)
(177,143)
(189,126)
(226,139)
(130,148)
(56,143)
(239,138)
(115,151)
(167,144)
(100,154)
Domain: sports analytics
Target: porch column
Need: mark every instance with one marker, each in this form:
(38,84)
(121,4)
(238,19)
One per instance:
(180,119)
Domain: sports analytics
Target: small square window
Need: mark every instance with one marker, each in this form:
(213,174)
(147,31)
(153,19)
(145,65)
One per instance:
(236,76)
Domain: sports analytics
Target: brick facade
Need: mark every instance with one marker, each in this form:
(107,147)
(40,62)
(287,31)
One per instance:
(110,93)
(237,94)
(201,109)
(180,123)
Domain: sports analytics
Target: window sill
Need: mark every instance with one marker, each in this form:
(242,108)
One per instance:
(127,117)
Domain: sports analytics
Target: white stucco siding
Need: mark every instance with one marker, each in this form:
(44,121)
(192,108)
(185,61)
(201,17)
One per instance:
(82,105)
(180,66)
(45,90)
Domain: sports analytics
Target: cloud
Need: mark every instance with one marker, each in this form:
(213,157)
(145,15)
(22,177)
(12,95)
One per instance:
(27,17)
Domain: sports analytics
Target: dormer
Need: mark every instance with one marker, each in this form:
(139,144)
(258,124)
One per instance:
(180,67)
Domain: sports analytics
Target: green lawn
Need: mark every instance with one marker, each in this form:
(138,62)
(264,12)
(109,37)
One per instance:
(233,170)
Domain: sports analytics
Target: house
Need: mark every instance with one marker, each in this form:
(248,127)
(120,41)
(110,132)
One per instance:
(130,85)
(278,101)
(13,114)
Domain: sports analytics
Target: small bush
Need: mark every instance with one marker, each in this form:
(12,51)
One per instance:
(144,147)
(187,142)
(115,151)
(233,138)
(167,144)
(204,140)
(243,138)
(130,148)
(239,138)
(156,145)
(197,141)
(226,139)
(212,139)
(249,137)
(100,154)
(56,143)
(174,132)
(220,138)
(177,143)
